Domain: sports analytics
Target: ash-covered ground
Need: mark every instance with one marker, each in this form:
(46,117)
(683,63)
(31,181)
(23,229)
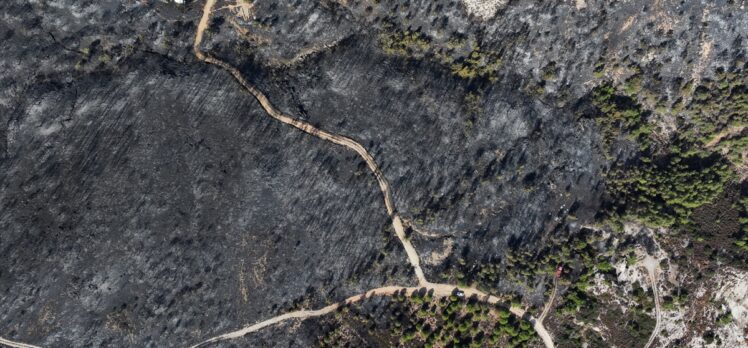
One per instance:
(147,200)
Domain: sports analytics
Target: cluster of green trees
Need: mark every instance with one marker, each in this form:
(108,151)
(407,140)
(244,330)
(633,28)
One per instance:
(424,321)
(583,260)
(677,298)
(481,275)
(638,319)
(719,105)
(677,174)
(466,323)
(404,43)
(664,185)
(585,255)
(665,191)
(476,64)
(718,122)
(644,299)
(572,336)
(724,318)
(640,326)
(582,254)
(620,115)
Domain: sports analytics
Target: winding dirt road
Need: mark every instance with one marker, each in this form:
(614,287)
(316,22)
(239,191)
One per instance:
(538,323)
(384,185)
(441,290)
(397,222)
(438,290)
(543,333)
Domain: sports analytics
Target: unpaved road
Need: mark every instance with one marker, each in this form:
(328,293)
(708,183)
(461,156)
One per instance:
(397,223)
(14,344)
(652,265)
(538,324)
(543,333)
(384,185)
(439,290)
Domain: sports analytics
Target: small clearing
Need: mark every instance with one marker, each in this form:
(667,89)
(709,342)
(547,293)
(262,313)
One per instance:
(727,133)
(483,9)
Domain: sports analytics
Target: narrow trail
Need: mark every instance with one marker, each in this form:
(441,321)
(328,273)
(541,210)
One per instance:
(732,131)
(14,344)
(539,328)
(549,304)
(652,264)
(397,222)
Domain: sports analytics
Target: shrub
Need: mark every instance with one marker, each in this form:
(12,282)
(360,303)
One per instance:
(407,43)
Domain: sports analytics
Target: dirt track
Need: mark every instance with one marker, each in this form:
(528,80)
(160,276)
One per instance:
(14,344)
(549,304)
(397,223)
(439,290)
(384,185)
(538,324)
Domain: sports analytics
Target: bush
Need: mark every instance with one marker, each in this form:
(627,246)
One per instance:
(406,44)
(724,319)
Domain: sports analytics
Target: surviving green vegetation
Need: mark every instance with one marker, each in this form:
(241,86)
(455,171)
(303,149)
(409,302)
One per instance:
(420,320)
(465,60)
(724,319)
(665,183)
(587,257)
(579,304)
(476,64)
(629,329)
(676,161)
(664,191)
(620,114)
(404,43)
(696,166)
(572,336)
(582,255)
(718,115)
